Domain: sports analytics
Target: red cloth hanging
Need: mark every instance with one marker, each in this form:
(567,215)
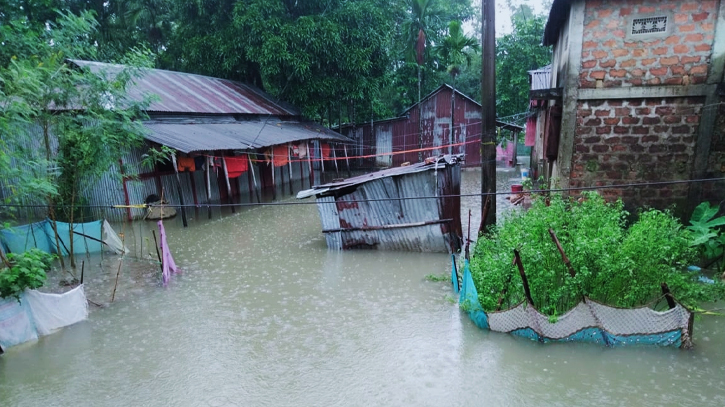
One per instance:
(280,155)
(236,165)
(325,150)
(185,164)
(530,132)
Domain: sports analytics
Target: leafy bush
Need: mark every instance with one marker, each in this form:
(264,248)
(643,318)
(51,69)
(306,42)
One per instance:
(27,271)
(615,264)
(707,232)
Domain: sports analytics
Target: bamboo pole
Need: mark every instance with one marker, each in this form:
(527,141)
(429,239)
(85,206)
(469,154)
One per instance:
(229,186)
(289,161)
(274,183)
(566,260)
(349,174)
(334,157)
(309,164)
(524,280)
(181,193)
(254,178)
(209,163)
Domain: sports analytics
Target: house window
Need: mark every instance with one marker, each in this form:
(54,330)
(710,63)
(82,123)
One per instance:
(649,25)
(645,26)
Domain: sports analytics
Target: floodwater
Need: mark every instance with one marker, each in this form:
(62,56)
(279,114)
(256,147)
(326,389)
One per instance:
(264,315)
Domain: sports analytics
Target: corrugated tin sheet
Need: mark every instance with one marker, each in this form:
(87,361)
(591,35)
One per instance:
(180,92)
(235,135)
(372,211)
(436,129)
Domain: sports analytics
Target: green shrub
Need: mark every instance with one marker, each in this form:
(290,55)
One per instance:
(615,264)
(28,270)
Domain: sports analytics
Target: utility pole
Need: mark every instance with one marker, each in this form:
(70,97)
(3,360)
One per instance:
(488,114)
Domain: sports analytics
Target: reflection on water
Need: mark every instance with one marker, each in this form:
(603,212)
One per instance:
(264,315)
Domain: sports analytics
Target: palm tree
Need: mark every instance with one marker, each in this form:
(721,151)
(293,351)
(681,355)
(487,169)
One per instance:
(455,50)
(416,30)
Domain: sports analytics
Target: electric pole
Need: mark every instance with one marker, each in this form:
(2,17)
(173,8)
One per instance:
(488,114)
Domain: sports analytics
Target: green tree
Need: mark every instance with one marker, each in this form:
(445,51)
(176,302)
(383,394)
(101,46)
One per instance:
(455,51)
(516,54)
(63,125)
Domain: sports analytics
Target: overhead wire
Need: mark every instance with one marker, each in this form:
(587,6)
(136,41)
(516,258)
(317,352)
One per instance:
(482,194)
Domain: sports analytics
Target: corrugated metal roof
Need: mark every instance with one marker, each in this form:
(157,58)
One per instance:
(327,189)
(558,15)
(180,92)
(190,136)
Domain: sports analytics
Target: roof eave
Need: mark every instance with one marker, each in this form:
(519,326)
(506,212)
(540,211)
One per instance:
(557,16)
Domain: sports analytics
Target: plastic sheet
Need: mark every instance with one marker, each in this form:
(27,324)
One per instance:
(91,237)
(39,314)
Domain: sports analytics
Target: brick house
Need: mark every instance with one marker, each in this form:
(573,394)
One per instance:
(635,96)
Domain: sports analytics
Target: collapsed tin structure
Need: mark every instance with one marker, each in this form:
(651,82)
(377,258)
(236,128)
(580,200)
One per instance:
(414,207)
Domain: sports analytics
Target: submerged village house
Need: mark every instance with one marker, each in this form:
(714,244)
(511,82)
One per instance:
(231,140)
(634,94)
(392,142)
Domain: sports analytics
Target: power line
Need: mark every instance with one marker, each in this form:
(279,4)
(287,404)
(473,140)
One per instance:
(537,191)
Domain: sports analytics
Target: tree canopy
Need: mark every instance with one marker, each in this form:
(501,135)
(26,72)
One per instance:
(337,60)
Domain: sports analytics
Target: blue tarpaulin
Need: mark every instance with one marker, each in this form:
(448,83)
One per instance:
(90,237)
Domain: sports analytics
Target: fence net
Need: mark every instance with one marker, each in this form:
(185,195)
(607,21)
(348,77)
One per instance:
(588,321)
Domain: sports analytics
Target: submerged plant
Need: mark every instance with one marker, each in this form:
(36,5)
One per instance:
(612,263)
(27,270)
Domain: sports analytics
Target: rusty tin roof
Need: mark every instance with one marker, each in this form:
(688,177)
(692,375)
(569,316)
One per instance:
(180,92)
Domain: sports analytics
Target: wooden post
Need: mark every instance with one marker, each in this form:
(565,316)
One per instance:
(254,178)
(514,159)
(281,179)
(125,189)
(349,174)
(322,158)
(207,170)
(158,255)
(309,164)
(274,182)
(181,193)
(668,295)
(488,115)
(289,166)
(302,176)
(226,179)
(334,157)
(527,291)
(572,272)
(249,183)
(486,209)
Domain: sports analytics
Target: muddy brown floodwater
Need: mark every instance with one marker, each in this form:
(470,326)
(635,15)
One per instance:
(264,315)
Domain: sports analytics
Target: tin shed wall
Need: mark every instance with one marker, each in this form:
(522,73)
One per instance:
(372,206)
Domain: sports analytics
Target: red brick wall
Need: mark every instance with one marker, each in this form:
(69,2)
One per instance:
(633,141)
(715,191)
(681,58)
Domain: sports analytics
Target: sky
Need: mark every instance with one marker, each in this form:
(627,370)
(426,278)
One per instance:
(503,13)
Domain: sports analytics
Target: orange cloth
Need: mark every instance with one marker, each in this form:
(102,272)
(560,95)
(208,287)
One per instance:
(236,165)
(280,155)
(185,164)
(325,150)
